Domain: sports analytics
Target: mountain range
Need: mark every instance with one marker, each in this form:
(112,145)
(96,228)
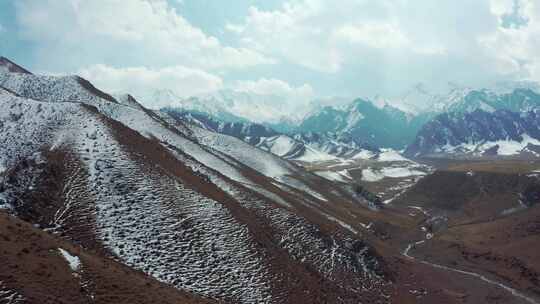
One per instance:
(300,146)
(346,131)
(483,123)
(103,200)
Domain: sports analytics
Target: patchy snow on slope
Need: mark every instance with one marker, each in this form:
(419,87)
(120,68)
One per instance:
(289,148)
(73,261)
(281,145)
(312,155)
(353,119)
(52,89)
(121,191)
(269,195)
(340,176)
(343,224)
(510,147)
(27,125)
(331,175)
(364,154)
(389,155)
(300,185)
(504,147)
(263,162)
(154,223)
(10,296)
(374,175)
(369,175)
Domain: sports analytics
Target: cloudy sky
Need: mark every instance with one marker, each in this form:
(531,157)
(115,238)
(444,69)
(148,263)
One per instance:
(299,49)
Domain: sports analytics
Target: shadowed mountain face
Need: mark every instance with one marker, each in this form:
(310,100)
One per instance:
(501,132)
(242,130)
(519,100)
(310,146)
(379,127)
(483,123)
(368,125)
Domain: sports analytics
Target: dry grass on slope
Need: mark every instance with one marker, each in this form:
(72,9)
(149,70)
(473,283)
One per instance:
(33,268)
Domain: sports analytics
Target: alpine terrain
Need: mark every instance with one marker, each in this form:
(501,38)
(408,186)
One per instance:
(103,200)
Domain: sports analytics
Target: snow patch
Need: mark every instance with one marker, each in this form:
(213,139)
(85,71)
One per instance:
(340,176)
(73,261)
(389,155)
(374,175)
(505,147)
(364,154)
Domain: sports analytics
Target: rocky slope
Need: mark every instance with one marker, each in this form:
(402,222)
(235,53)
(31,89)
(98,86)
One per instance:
(518,100)
(483,123)
(380,127)
(38,267)
(201,211)
(247,131)
(309,146)
(479,133)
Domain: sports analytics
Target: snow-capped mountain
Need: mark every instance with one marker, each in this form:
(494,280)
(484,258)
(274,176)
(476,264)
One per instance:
(247,131)
(362,120)
(478,133)
(385,123)
(309,146)
(339,145)
(200,211)
(313,147)
(517,100)
(230,105)
(420,99)
(482,122)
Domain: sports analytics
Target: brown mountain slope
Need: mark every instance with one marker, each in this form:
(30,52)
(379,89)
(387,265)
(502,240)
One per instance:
(33,270)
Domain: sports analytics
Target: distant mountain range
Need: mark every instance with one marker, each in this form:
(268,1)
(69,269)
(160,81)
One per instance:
(359,121)
(479,133)
(363,124)
(483,123)
(518,100)
(231,105)
(384,126)
(307,146)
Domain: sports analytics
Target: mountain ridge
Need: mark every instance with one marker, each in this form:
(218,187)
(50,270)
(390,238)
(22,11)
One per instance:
(181,204)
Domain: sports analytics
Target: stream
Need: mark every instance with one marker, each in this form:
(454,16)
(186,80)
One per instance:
(469,273)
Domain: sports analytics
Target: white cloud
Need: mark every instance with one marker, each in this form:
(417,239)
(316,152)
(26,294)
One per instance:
(142,82)
(515,49)
(325,36)
(377,35)
(350,47)
(382,36)
(235,28)
(271,99)
(500,7)
(300,95)
(140,31)
(290,34)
